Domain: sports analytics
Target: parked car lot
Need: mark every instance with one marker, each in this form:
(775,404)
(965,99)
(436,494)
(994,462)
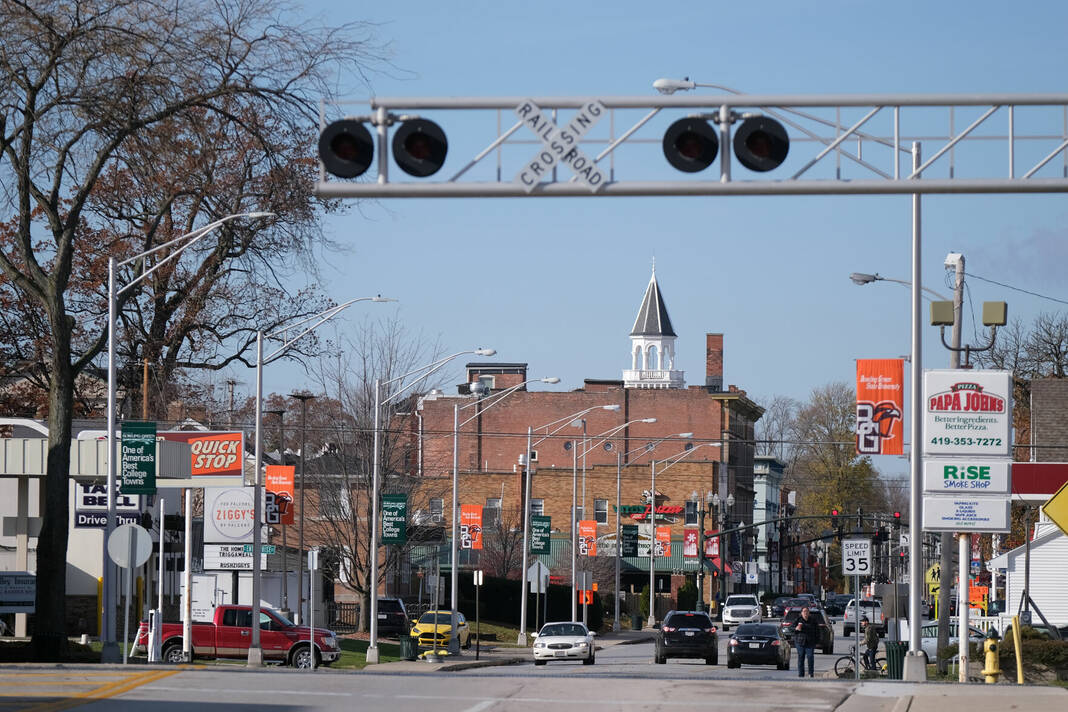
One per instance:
(758,644)
(687,634)
(564,640)
(741,608)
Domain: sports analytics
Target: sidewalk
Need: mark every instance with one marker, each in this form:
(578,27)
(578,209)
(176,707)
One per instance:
(494,654)
(946,696)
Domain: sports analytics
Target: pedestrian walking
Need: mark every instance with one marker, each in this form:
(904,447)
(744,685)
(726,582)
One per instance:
(806,638)
(871,642)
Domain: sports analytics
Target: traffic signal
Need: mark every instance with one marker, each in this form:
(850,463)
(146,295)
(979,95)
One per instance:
(347,148)
(897,520)
(835,521)
(760,143)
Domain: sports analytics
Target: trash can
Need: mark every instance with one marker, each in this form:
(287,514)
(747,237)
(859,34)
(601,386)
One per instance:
(407,647)
(895,659)
(636,621)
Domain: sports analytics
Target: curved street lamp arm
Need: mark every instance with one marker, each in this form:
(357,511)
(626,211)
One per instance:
(608,434)
(679,457)
(496,398)
(322,317)
(426,372)
(566,420)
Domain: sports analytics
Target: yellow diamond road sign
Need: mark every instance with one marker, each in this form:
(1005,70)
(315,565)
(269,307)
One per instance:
(1057,508)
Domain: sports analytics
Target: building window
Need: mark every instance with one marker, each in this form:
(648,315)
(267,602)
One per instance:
(491,514)
(487,382)
(537,506)
(691,512)
(436,509)
(600,511)
(533,455)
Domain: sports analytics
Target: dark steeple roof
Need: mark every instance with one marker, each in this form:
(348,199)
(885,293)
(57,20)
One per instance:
(653,319)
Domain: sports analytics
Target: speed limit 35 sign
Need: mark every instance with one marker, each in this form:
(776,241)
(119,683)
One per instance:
(856,557)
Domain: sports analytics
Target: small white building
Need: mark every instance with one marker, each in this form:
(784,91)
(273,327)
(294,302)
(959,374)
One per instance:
(1049,573)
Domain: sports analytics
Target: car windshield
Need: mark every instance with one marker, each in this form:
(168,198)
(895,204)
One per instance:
(741,601)
(389,605)
(564,629)
(782,600)
(688,620)
(442,618)
(285,621)
(757,629)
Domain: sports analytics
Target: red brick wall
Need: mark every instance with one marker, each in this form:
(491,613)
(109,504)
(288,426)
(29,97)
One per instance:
(714,361)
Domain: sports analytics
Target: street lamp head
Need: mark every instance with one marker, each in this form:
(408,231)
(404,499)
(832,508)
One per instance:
(730,500)
(380,298)
(861,278)
(670,86)
(648,420)
(685,435)
(613,407)
(254,216)
(550,379)
(485,352)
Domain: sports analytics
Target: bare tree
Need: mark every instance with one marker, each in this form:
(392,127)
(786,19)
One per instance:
(775,427)
(502,553)
(81,83)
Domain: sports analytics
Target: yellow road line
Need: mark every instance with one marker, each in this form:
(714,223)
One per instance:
(105,691)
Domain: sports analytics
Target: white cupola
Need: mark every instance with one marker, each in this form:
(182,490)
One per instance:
(652,345)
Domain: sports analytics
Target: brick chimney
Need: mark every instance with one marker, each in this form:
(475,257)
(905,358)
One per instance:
(714,362)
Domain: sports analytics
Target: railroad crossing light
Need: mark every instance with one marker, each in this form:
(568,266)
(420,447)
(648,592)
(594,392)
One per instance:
(346,148)
(419,147)
(691,144)
(761,144)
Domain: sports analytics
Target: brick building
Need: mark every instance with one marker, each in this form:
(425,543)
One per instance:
(492,440)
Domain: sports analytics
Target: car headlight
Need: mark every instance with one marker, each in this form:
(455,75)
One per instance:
(330,641)
(583,645)
(539,645)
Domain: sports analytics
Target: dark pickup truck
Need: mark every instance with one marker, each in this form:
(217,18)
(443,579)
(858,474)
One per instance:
(229,635)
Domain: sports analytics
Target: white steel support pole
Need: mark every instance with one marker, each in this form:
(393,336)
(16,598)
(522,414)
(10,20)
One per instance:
(454,593)
(652,544)
(372,584)
(255,652)
(522,639)
(619,536)
(110,652)
(915,667)
(187,601)
(725,143)
(964,547)
(574,531)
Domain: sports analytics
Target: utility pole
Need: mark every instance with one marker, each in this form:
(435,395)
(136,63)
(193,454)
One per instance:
(945,579)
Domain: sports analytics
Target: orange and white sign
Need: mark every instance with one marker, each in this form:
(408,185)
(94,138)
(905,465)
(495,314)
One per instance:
(663,541)
(279,486)
(880,403)
(587,537)
(471,526)
(214,454)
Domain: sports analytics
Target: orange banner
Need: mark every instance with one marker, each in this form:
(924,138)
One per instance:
(279,486)
(663,541)
(880,403)
(471,526)
(587,537)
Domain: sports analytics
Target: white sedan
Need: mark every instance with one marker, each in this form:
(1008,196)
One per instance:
(564,641)
(929,637)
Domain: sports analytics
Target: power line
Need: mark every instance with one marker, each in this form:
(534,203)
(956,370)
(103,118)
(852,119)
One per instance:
(1018,289)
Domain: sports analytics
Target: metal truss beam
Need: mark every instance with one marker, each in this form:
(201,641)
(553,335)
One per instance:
(839,145)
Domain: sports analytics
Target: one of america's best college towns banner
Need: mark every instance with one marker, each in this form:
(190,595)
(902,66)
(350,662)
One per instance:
(880,403)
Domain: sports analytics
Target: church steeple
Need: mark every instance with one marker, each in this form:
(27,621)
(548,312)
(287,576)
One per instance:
(652,344)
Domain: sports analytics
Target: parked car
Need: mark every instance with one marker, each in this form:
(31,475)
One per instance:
(392,617)
(1039,628)
(439,623)
(228,635)
(835,605)
(779,606)
(789,622)
(741,608)
(687,634)
(758,644)
(872,609)
(929,637)
(564,641)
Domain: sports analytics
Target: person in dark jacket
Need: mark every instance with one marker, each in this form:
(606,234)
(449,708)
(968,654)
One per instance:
(871,643)
(806,638)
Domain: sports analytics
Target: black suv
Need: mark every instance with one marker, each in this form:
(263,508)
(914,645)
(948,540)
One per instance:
(687,634)
(392,618)
(789,622)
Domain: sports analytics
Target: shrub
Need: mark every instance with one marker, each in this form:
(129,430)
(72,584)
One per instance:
(686,598)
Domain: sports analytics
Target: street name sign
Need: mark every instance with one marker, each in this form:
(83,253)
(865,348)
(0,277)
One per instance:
(856,557)
(560,145)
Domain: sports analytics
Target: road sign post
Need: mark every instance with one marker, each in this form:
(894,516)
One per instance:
(856,561)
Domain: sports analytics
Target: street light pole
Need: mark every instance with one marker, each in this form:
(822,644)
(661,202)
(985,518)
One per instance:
(652,544)
(280,412)
(303,398)
(619,535)
(110,648)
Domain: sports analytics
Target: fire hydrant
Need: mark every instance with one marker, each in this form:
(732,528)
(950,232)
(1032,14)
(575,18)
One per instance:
(993,665)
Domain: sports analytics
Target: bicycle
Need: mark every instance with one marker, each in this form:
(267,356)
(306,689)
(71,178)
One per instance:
(843,666)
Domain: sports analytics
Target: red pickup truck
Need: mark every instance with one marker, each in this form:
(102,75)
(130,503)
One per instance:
(230,634)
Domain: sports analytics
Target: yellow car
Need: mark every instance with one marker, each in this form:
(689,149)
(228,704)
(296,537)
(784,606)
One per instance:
(439,623)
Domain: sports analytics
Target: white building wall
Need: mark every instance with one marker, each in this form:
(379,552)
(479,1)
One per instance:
(1049,578)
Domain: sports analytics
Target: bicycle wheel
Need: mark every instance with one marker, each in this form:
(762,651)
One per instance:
(843,666)
(880,665)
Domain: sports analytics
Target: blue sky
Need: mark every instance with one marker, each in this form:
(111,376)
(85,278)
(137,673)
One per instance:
(557,282)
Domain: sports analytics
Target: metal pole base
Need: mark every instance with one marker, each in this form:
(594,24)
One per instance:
(255,657)
(110,653)
(616,627)
(433,658)
(522,638)
(454,645)
(915,669)
(372,654)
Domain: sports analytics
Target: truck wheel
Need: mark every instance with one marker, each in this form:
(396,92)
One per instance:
(172,653)
(301,657)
